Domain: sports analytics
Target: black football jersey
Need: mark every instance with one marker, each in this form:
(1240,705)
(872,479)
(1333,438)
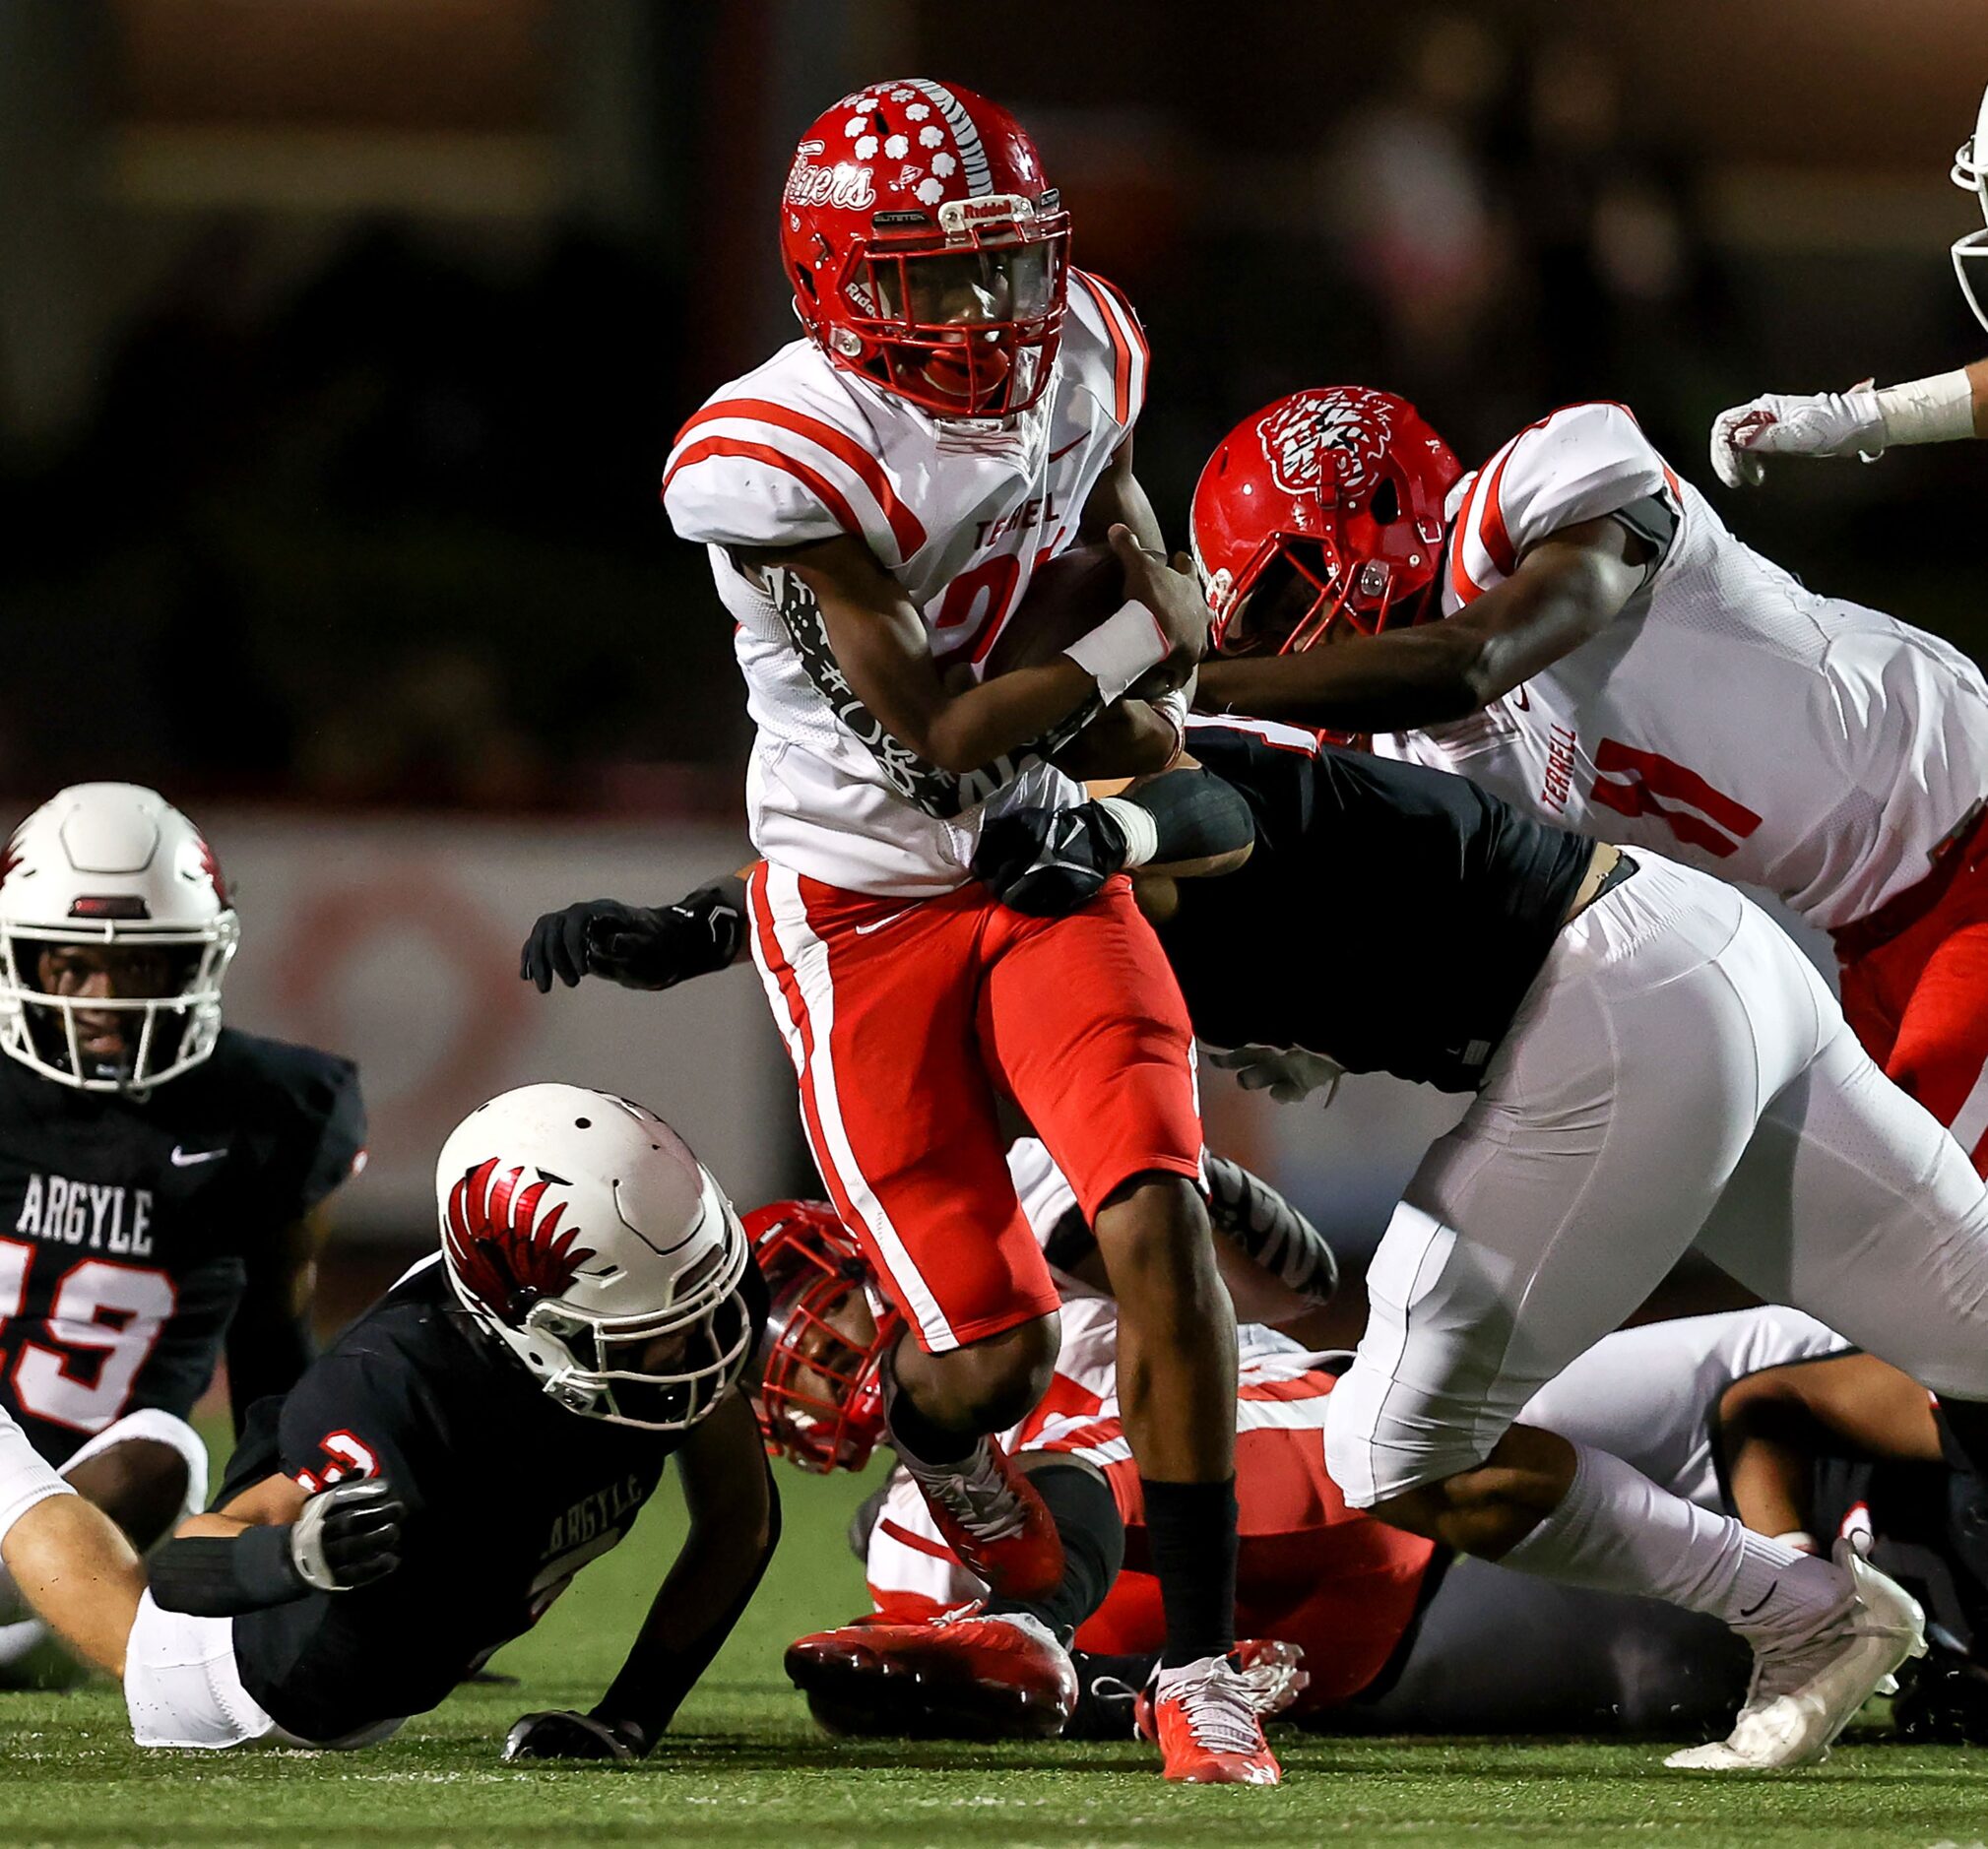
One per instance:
(129,1228)
(1390,916)
(507,1496)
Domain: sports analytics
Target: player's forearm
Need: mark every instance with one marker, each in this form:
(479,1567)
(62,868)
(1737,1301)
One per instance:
(1423,676)
(968,731)
(697,1608)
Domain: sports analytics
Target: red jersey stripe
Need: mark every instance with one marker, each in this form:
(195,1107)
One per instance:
(1121,348)
(904,526)
(824,490)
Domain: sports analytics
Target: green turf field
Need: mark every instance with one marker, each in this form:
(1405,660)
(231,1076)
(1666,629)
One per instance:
(745,1767)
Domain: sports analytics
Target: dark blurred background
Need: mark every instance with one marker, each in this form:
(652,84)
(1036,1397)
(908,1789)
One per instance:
(340,340)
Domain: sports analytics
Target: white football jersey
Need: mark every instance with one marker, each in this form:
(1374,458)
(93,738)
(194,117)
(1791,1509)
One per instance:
(960,514)
(1729,717)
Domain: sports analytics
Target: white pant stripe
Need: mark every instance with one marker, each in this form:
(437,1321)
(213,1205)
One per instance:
(808,957)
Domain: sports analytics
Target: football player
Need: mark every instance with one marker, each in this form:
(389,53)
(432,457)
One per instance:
(876,499)
(441,1472)
(1611,659)
(163,1178)
(1866,421)
(1654,1066)
(1761,1414)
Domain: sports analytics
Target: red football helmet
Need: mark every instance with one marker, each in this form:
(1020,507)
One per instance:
(821,1402)
(1330,504)
(925,250)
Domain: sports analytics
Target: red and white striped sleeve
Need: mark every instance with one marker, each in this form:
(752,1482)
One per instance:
(1103,337)
(1579,463)
(754,470)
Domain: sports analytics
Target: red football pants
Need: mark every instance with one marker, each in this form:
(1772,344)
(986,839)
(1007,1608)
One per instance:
(908,1019)
(1915,990)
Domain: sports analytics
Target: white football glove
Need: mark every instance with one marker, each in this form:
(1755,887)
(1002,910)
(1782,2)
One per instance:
(1823,423)
(1288,1073)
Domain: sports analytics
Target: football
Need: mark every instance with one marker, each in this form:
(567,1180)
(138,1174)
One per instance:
(1066,597)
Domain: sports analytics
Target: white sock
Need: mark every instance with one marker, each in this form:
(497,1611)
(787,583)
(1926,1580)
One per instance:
(1617,1531)
(25,1477)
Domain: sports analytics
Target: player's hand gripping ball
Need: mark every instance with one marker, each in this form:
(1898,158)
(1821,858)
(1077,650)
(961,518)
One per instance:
(564,1733)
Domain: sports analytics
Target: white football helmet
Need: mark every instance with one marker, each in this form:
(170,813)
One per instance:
(1970,174)
(581,1232)
(113,867)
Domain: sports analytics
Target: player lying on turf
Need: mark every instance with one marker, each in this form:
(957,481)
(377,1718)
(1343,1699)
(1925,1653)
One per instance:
(875,499)
(1864,421)
(439,1475)
(1761,1414)
(1613,661)
(1655,1067)
(161,1176)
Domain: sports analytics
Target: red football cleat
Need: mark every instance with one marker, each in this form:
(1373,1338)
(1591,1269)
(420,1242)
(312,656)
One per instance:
(995,1522)
(962,1676)
(1204,1717)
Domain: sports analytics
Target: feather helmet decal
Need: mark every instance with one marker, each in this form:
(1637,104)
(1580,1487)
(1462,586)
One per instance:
(505,1255)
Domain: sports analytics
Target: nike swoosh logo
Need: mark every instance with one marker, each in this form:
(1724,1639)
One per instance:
(1522,699)
(182,1160)
(864,930)
(1764,1597)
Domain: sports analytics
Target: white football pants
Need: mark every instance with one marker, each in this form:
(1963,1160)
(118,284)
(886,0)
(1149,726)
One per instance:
(1679,1075)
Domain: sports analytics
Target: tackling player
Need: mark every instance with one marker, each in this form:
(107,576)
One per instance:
(1611,659)
(875,499)
(439,1474)
(162,1177)
(1864,421)
(1655,1067)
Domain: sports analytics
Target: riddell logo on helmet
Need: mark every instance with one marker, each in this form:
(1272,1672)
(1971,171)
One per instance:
(844,187)
(1354,427)
(961,215)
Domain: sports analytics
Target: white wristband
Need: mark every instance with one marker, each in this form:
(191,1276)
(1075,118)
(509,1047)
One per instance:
(1141,830)
(1120,649)
(1938,410)
(1801,1540)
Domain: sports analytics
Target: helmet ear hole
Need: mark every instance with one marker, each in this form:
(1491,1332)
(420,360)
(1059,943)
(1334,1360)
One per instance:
(1386,506)
(803,284)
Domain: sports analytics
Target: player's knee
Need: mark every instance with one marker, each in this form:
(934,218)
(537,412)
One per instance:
(1153,1233)
(993,1384)
(143,1483)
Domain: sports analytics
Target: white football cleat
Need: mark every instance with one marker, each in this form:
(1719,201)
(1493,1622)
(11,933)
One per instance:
(1804,1694)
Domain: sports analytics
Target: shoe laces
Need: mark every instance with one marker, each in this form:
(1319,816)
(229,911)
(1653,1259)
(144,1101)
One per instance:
(1217,1707)
(979,1497)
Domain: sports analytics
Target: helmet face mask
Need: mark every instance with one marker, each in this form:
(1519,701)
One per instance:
(115,934)
(582,1234)
(1970,252)
(925,251)
(1319,514)
(820,1398)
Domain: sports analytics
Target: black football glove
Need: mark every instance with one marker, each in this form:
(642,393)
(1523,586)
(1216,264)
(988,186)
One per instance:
(562,1734)
(637,946)
(1269,1230)
(1048,863)
(347,1535)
